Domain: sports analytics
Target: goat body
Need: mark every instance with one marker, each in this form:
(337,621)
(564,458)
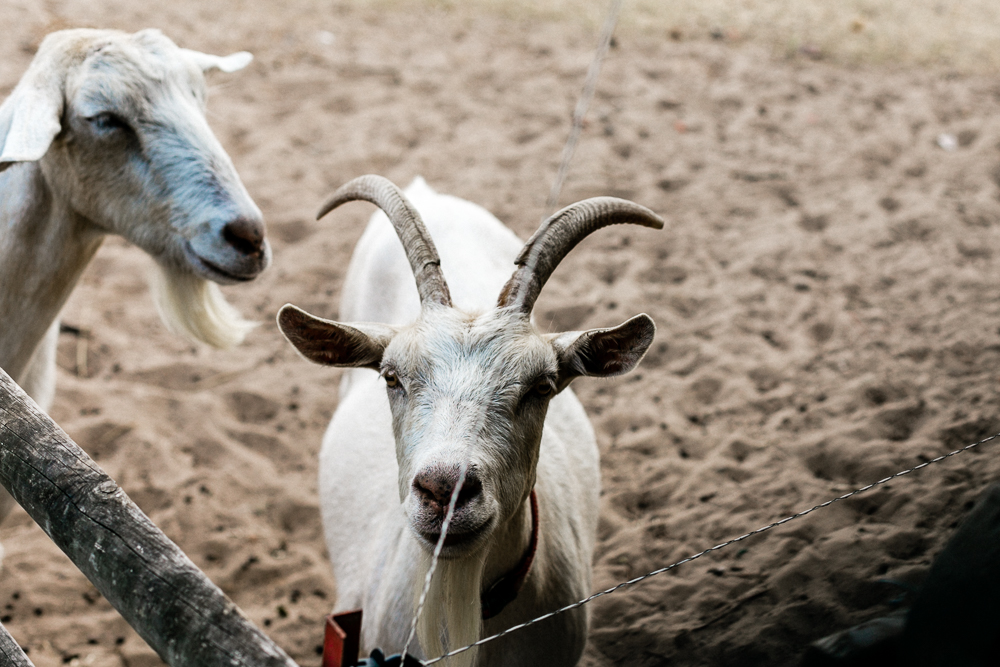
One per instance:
(475,386)
(106,134)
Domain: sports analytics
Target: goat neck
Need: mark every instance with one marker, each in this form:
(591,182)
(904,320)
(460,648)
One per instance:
(43,250)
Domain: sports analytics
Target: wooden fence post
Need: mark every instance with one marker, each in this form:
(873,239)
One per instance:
(11,654)
(180,613)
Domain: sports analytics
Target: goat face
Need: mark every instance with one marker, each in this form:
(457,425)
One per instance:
(117,123)
(467,391)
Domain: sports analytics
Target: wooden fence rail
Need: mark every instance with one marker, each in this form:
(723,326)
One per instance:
(11,654)
(180,613)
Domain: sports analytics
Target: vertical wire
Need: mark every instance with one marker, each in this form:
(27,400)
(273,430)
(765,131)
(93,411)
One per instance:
(476,431)
(607,31)
(569,149)
(434,558)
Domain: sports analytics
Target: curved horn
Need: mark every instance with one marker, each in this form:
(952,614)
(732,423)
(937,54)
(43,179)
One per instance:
(417,243)
(560,234)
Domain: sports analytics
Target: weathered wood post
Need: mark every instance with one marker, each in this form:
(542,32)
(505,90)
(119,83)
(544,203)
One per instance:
(180,613)
(11,654)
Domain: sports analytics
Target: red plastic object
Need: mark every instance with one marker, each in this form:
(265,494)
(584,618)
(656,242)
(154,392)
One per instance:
(342,640)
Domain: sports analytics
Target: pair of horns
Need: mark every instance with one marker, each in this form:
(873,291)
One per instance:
(538,259)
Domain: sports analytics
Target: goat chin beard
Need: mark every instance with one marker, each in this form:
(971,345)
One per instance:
(194,308)
(452,615)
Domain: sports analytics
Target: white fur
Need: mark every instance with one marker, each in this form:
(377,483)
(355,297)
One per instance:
(365,494)
(106,134)
(452,617)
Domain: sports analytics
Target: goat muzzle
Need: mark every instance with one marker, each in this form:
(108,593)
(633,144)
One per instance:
(246,235)
(436,485)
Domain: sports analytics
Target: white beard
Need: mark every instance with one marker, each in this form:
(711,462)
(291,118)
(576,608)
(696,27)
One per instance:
(195,308)
(452,615)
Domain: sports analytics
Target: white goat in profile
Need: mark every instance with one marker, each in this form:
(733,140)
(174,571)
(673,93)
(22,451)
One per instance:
(472,387)
(106,134)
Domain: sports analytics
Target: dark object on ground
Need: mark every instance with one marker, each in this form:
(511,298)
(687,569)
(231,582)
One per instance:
(874,642)
(955,619)
(378,660)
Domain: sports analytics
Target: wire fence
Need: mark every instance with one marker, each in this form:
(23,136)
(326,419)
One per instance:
(717,547)
(580,111)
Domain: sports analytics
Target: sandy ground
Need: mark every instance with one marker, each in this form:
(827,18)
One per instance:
(824,292)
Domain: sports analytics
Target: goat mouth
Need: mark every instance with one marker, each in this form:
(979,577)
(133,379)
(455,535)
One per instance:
(451,539)
(214,272)
(456,541)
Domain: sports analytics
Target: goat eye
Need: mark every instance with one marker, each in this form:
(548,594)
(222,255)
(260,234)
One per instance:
(544,388)
(108,121)
(391,379)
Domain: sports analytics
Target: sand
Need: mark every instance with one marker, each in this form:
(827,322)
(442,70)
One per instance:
(824,293)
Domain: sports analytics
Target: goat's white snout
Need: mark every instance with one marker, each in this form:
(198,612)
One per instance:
(224,229)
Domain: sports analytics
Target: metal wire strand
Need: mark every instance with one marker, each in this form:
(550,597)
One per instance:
(711,549)
(434,558)
(607,31)
(578,114)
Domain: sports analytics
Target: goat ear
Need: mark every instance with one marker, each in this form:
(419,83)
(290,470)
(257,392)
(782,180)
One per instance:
(332,343)
(29,121)
(231,63)
(603,352)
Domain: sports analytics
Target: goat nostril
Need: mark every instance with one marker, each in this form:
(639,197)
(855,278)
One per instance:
(246,235)
(436,485)
(470,490)
(432,490)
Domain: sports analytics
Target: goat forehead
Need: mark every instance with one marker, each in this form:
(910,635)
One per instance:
(473,356)
(123,71)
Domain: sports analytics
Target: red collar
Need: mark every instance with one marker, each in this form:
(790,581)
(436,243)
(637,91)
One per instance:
(505,589)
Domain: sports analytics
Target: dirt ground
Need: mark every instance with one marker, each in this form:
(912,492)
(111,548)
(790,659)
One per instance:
(824,291)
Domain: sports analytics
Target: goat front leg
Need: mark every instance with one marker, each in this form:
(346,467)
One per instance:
(39,378)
